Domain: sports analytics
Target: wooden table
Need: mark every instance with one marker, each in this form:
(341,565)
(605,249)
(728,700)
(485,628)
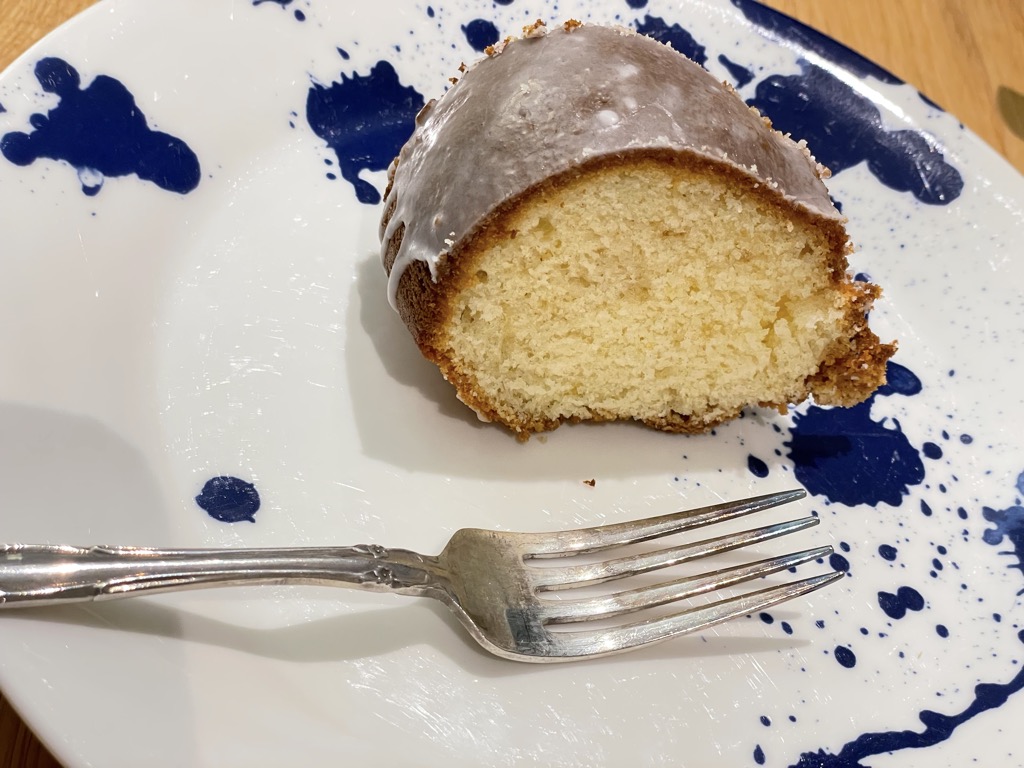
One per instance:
(963,54)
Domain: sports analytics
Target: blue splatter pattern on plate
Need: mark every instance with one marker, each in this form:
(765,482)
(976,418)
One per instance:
(915,573)
(100,131)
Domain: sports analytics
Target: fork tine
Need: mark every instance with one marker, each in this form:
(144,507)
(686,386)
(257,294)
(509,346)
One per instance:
(572,576)
(607,606)
(601,642)
(606,536)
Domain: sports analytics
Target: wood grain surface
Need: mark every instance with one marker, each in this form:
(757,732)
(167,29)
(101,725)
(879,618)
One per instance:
(963,54)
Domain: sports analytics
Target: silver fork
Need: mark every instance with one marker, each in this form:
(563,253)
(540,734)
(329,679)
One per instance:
(483,576)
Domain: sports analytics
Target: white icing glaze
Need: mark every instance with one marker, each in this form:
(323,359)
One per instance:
(541,105)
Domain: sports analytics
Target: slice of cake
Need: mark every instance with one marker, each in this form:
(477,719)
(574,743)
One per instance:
(589,226)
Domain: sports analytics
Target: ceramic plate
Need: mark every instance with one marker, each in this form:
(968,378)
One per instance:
(189,198)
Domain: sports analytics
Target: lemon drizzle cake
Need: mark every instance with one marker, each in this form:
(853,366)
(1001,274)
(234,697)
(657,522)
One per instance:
(589,226)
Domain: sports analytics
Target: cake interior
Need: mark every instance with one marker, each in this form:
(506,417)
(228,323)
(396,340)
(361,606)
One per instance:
(647,290)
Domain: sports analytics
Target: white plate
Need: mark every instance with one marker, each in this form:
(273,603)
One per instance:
(153,339)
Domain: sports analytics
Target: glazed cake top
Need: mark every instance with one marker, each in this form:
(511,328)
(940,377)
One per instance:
(552,100)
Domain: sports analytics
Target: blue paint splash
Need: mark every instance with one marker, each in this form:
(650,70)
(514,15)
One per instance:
(480,34)
(937,728)
(673,35)
(299,15)
(887,551)
(365,120)
(1009,526)
(849,458)
(100,131)
(229,499)
(838,563)
(756,466)
(845,657)
(740,75)
(843,127)
(897,605)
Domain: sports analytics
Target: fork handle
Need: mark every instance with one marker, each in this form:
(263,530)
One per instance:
(46,574)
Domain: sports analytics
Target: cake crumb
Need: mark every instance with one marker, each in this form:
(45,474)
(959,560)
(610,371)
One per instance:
(494,50)
(537,29)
